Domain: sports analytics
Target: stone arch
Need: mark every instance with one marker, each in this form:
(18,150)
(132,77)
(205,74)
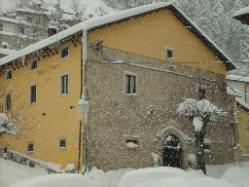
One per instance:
(182,138)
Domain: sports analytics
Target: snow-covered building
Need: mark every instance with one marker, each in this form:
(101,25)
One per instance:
(238,87)
(126,73)
(15,25)
(26,25)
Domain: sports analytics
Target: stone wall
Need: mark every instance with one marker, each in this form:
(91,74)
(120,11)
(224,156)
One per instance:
(150,115)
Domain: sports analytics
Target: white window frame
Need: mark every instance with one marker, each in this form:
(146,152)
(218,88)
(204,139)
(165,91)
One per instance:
(126,73)
(68,84)
(66,46)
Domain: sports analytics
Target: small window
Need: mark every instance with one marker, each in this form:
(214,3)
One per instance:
(33,94)
(29,19)
(34,64)
(1,27)
(64,52)
(64,84)
(30,147)
(130,84)
(132,141)
(8,102)
(63,143)
(202,93)
(170,53)
(21,30)
(9,75)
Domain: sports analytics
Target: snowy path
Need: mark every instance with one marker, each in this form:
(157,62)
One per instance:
(11,172)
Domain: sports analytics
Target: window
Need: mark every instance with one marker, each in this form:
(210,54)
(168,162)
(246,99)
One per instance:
(29,19)
(64,52)
(132,141)
(33,94)
(9,75)
(1,27)
(64,84)
(21,30)
(34,64)
(30,147)
(130,84)
(202,93)
(170,53)
(8,102)
(63,143)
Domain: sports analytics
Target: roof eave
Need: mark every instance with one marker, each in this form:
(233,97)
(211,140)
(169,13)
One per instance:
(225,58)
(244,18)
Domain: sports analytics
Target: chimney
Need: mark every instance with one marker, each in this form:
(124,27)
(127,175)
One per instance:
(52,30)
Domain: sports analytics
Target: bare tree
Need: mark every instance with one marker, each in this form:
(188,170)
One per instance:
(7,126)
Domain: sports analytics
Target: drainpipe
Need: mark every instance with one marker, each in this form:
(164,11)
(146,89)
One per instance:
(83,102)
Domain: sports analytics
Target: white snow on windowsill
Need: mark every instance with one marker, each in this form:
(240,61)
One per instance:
(132,145)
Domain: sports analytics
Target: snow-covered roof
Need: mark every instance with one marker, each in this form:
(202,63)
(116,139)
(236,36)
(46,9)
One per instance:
(240,74)
(115,17)
(16,35)
(31,11)
(242,103)
(68,17)
(237,78)
(242,15)
(15,21)
(6,51)
(242,12)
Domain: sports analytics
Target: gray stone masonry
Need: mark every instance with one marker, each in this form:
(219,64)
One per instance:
(150,115)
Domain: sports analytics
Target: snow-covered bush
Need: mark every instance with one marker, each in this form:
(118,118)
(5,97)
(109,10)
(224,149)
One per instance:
(7,125)
(201,108)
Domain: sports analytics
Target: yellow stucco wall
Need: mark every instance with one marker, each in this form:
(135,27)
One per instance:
(53,116)
(243,130)
(151,34)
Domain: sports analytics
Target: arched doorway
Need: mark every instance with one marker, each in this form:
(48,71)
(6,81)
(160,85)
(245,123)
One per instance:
(172,152)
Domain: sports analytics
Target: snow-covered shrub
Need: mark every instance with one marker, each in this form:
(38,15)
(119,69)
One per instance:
(7,125)
(201,108)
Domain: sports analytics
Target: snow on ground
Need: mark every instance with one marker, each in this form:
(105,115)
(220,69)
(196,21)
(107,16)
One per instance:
(11,172)
(229,175)
(238,174)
